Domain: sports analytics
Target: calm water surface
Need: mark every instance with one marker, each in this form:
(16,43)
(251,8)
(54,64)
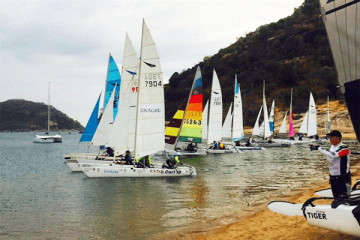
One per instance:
(40,198)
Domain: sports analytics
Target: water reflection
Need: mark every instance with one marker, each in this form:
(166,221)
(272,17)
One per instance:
(42,198)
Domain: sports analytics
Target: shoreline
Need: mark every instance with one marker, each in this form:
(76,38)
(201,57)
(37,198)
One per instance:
(264,224)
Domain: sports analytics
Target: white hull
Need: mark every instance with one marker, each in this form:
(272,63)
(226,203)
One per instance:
(131,171)
(292,142)
(48,139)
(219,151)
(340,219)
(273,145)
(241,148)
(76,165)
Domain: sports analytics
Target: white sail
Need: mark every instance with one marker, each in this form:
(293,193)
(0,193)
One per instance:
(238,126)
(256,130)
(266,117)
(312,125)
(304,124)
(215,112)
(103,130)
(226,128)
(283,125)
(271,117)
(123,131)
(205,122)
(150,120)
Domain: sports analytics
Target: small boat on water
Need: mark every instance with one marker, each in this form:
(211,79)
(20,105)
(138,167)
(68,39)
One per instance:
(47,138)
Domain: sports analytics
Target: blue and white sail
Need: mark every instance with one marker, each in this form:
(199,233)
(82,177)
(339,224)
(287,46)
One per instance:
(113,79)
(238,126)
(122,135)
(342,23)
(92,124)
(271,117)
(103,130)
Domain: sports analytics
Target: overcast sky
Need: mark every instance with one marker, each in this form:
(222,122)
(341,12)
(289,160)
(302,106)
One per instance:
(68,42)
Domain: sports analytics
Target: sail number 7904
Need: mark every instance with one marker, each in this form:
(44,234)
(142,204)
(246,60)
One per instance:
(153,80)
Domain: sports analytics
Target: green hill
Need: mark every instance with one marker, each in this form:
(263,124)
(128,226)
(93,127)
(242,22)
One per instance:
(18,115)
(291,53)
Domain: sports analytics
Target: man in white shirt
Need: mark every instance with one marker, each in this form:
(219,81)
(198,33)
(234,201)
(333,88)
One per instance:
(339,165)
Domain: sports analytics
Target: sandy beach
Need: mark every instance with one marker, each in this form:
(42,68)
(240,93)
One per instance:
(261,223)
(264,224)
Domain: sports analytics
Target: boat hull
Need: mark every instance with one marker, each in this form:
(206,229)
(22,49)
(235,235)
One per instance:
(47,139)
(130,171)
(242,148)
(219,151)
(341,219)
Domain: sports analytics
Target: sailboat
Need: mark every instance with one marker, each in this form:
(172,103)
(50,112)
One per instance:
(341,20)
(204,134)
(215,116)
(237,123)
(268,143)
(186,125)
(48,138)
(226,128)
(150,121)
(112,85)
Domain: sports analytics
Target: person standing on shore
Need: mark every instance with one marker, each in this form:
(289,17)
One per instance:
(339,165)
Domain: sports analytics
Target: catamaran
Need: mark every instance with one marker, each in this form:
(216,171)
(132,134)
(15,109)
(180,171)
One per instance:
(150,121)
(215,116)
(48,138)
(98,127)
(186,125)
(264,130)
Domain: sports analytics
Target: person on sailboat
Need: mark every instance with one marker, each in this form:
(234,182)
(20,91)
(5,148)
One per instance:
(143,162)
(248,142)
(172,162)
(128,158)
(339,165)
(190,147)
(215,145)
(109,152)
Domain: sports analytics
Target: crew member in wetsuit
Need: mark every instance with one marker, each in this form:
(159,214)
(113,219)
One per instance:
(339,165)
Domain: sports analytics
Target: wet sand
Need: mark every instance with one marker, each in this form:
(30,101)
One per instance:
(264,224)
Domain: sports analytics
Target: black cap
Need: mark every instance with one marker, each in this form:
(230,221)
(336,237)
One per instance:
(335,133)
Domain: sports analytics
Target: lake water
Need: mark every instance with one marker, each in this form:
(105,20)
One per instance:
(40,198)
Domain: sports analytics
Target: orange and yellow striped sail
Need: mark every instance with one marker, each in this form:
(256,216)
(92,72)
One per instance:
(191,129)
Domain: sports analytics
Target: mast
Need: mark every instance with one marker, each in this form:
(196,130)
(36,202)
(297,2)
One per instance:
(139,89)
(291,126)
(48,128)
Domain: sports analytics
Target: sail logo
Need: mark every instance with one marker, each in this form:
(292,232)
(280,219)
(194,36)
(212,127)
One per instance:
(150,110)
(149,64)
(317,215)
